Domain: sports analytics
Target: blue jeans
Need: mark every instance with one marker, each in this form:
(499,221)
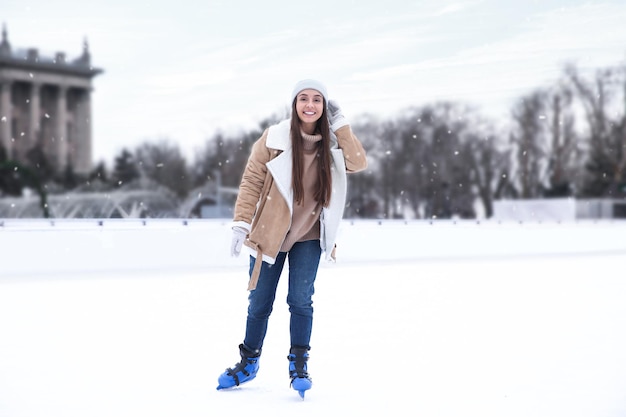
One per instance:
(304,259)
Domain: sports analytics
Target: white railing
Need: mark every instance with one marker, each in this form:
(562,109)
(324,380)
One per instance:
(84,246)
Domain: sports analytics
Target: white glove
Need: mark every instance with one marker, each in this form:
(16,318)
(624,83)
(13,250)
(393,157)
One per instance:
(239,236)
(335,116)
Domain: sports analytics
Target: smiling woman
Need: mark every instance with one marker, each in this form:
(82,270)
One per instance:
(289,206)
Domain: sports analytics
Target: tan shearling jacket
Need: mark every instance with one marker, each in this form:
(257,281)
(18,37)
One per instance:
(265,201)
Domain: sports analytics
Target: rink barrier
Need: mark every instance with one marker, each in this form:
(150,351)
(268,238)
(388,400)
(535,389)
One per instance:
(132,223)
(60,247)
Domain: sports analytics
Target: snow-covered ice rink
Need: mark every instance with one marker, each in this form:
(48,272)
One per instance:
(127,318)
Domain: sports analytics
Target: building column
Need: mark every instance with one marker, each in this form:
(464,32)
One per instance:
(60,128)
(34,117)
(5,116)
(82,137)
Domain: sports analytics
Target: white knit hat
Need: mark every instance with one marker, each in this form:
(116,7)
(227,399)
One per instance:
(312,84)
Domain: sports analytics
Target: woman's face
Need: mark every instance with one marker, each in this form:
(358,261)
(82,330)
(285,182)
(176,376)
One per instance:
(309,106)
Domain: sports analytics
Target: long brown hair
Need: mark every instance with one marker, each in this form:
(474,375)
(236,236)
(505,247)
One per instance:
(323,191)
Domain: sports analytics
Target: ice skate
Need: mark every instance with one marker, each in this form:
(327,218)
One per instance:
(242,372)
(300,379)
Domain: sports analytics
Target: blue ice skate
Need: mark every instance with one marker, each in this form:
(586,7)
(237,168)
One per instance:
(242,372)
(300,379)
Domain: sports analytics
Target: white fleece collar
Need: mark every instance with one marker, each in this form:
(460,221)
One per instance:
(278,135)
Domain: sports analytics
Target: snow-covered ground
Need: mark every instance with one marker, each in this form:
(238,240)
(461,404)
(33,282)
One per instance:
(127,318)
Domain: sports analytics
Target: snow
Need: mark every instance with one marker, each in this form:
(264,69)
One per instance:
(131,318)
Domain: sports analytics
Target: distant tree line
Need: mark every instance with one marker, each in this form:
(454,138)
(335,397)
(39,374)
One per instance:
(439,160)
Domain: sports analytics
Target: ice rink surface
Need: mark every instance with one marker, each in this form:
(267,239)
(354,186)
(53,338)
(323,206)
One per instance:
(426,319)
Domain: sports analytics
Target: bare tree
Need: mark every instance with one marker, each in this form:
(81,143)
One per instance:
(364,191)
(528,137)
(489,164)
(164,163)
(606,162)
(564,152)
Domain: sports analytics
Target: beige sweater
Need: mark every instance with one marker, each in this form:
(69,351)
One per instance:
(305,219)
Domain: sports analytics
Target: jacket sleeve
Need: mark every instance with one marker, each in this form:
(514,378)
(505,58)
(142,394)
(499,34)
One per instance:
(252,182)
(353,151)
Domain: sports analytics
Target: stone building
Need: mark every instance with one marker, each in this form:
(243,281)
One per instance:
(45,102)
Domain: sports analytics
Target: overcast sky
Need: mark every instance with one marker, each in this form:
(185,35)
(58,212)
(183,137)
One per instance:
(183,69)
